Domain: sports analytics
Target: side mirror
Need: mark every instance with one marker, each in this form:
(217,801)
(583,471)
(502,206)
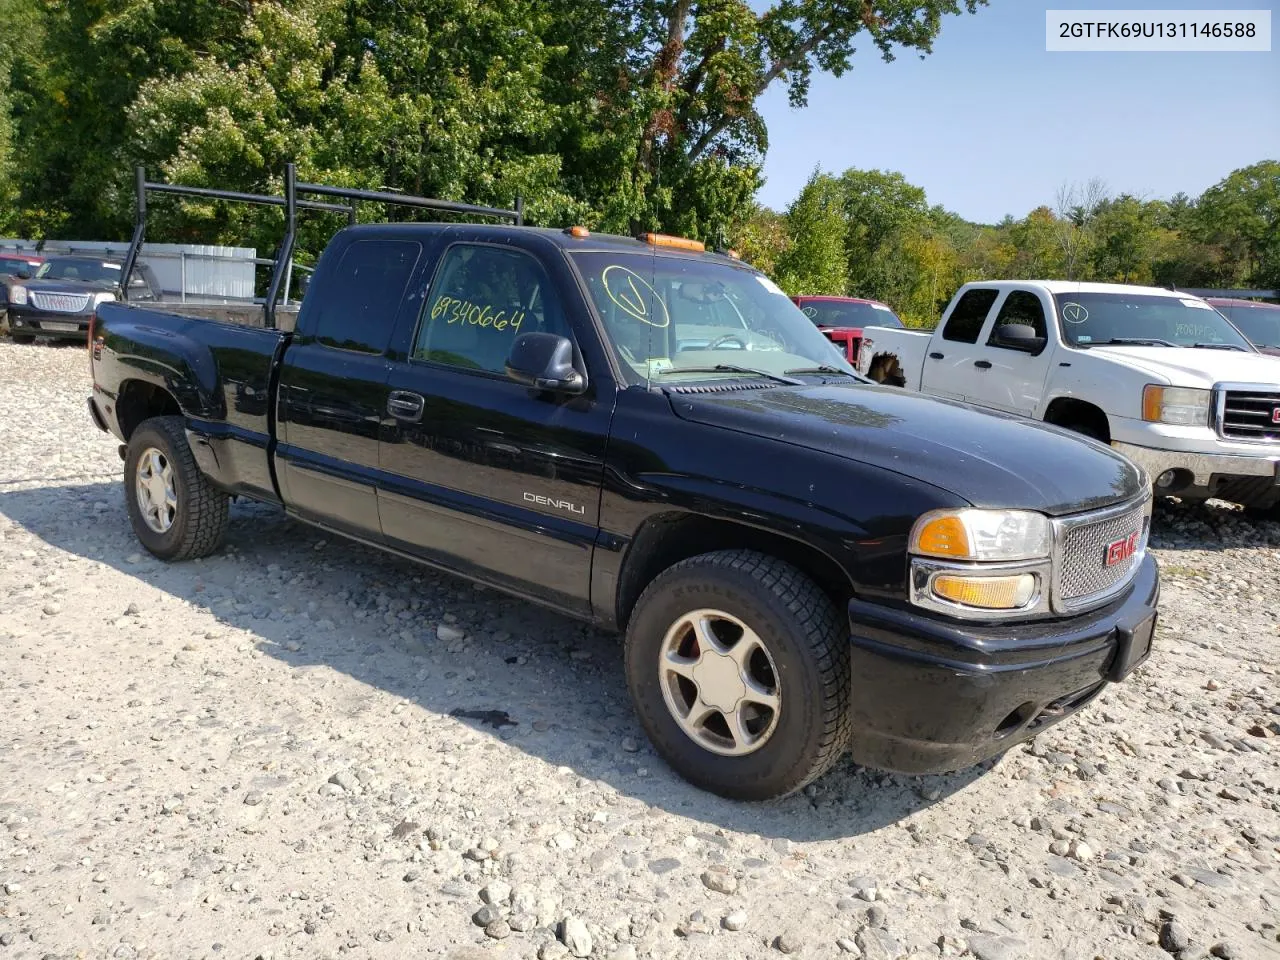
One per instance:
(1019,336)
(544,361)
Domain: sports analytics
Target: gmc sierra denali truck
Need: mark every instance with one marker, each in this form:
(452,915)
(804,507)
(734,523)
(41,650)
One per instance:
(655,439)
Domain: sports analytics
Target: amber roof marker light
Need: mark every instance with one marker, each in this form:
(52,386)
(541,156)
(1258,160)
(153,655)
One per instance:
(675,243)
(578,233)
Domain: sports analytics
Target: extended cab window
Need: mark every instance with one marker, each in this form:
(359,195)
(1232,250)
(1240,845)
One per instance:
(1023,308)
(357,307)
(966,320)
(482,298)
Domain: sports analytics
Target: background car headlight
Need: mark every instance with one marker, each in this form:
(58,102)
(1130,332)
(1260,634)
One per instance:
(1178,405)
(982,535)
(18,295)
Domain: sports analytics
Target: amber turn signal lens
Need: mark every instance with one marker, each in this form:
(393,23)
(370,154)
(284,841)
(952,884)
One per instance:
(677,243)
(579,233)
(988,593)
(944,537)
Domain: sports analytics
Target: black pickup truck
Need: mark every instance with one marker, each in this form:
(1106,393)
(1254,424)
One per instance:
(655,439)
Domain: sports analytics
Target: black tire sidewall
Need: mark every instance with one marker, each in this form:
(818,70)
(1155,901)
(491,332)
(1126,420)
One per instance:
(169,544)
(783,763)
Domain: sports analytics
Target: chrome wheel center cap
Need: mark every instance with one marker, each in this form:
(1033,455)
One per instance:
(719,681)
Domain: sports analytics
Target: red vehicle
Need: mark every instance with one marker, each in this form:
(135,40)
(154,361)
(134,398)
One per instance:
(1259,322)
(842,319)
(12,264)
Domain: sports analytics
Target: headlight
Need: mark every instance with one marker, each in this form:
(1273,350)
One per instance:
(18,295)
(982,535)
(1179,405)
(103,298)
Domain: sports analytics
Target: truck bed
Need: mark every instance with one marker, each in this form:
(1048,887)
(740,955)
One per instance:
(220,371)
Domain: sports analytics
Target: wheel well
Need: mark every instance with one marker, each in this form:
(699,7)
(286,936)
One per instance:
(1068,411)
(665,541)
(885,368)
(138,401)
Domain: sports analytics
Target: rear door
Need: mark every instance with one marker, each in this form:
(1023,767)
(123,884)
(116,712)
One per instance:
(481,474)
(333,383)
(1014,379)
(951,360)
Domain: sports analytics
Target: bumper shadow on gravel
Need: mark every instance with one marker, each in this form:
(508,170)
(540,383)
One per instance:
(560,681)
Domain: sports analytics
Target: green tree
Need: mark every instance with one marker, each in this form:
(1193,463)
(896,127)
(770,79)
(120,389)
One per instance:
(1126,236)
(1241,215)
(814,261)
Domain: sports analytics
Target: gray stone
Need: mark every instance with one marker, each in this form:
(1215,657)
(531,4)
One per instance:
(498,930)
(487,914)
(720,882)
(663,864)
(1174,937)
(997,948)
(735,921)
(789,941)
(575,936)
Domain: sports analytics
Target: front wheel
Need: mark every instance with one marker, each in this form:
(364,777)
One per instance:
(174,510)
(738,668)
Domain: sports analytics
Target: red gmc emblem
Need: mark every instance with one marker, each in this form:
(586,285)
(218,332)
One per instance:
(1122,550)
(1275,415)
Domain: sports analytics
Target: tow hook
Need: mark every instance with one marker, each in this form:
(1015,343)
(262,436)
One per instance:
(123,450)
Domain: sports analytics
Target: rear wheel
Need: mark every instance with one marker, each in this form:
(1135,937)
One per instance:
(738,668)
(174,510)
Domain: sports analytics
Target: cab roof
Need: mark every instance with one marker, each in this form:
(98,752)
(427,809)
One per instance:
(1076,286)
(593,243)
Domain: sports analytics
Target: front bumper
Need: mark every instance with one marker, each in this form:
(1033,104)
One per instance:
(931,696)
(39,323)
(1250,480)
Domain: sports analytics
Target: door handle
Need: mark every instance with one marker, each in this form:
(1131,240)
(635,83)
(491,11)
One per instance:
(982,364)
(936,356)
(404,405)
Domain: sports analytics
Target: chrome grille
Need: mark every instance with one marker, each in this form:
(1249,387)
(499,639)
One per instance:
(1084,577)
(1249,414)
(59,302)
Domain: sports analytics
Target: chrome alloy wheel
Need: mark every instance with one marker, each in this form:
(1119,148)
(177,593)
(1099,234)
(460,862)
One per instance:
(719,682)
(154,487)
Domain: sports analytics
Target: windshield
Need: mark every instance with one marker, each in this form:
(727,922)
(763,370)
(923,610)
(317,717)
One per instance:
(1091,319)
(11,268)
(836,313)
(677,318)
(76,268)
(1261,324)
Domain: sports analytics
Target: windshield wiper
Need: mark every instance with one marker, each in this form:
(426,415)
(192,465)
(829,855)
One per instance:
(1220,346)
(733,368)
(1133,341)
(823,368)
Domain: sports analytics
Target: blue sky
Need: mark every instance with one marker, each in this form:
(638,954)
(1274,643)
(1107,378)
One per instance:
(991,123)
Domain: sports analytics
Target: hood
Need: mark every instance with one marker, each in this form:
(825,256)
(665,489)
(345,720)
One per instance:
(1192,367)
(988,459)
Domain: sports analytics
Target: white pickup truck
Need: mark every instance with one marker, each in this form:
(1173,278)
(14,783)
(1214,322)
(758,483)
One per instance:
(1160,376)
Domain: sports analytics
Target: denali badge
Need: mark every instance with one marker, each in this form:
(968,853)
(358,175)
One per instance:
(558,504)
(1121,550)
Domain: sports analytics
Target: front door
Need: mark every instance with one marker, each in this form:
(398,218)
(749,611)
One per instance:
(950,360)
(480,474)
(1014,379)
(333,385)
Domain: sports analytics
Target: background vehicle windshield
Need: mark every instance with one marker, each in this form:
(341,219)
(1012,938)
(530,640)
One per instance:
(11,268)
(1261,324)
(833,313)
(663,315)
(1097,318)
(79,268)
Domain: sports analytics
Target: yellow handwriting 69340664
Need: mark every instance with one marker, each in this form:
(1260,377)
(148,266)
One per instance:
(476,314)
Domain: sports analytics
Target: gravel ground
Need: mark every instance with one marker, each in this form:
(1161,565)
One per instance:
(304,748)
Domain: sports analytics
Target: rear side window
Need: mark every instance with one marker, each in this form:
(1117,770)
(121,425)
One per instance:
(1020,307)
(966,320)
(481,299)
(356,310)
